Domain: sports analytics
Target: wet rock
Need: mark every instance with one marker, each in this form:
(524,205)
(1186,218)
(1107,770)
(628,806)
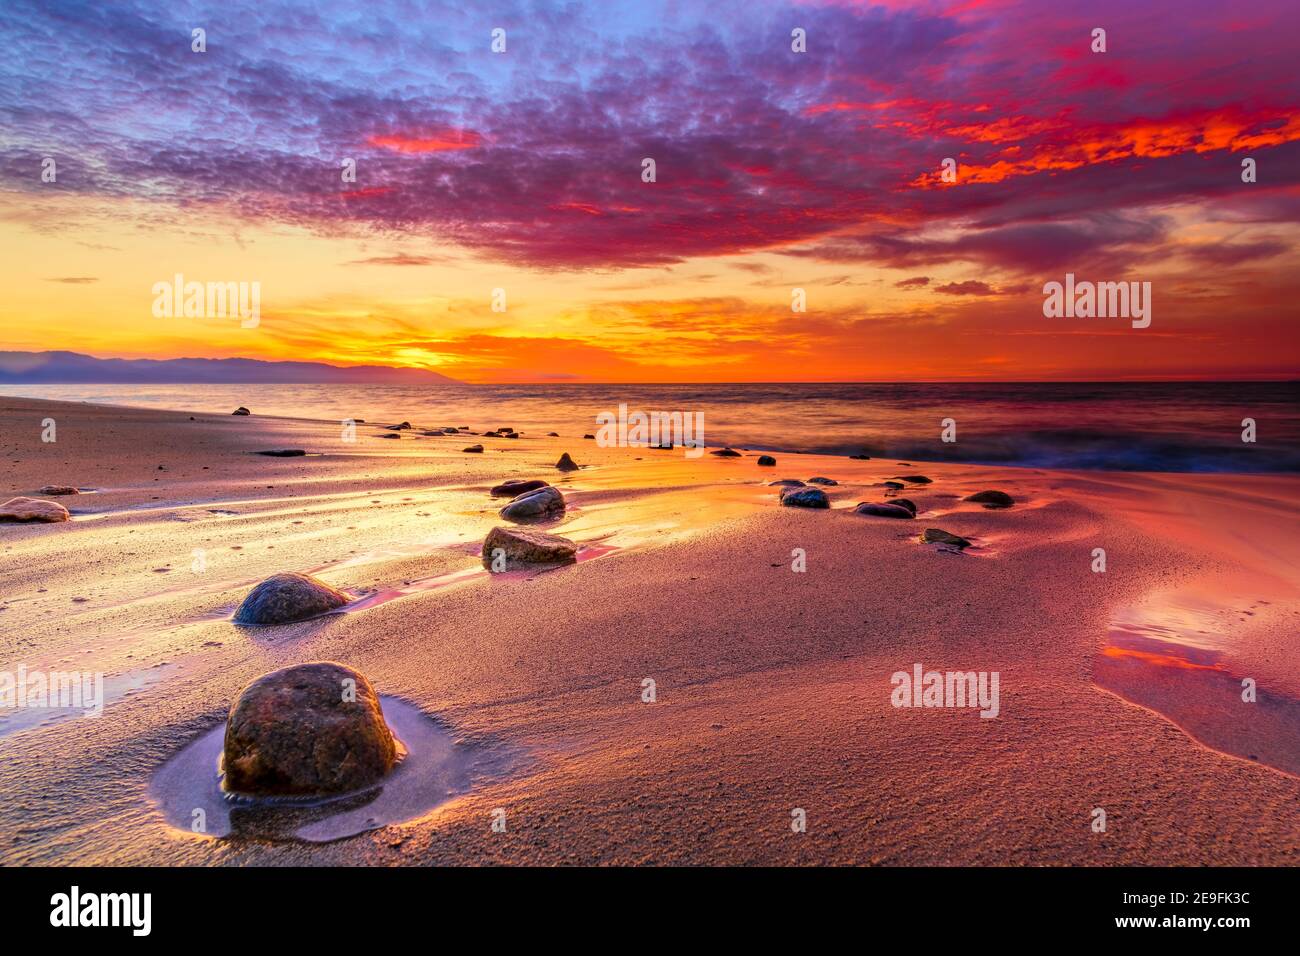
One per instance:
(450,431)
(896,485)
(524,545)
(510,435)
(58,490)
(400,427)
(283,452)
(241,410)
(822,481)
(804,498)
(916,479)
(32,509)
(516,487)
(388,436)
(592,437)
(535,505)
(885,510)
(308,729)
(860,457)
(786,482)
(566,463)
(287,597)
(474,449)
(907,503)
(938,536)
(725,453)
(766,460)
(552,434)
(991,499)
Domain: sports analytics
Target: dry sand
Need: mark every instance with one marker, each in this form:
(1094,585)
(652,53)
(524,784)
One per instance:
(773,687)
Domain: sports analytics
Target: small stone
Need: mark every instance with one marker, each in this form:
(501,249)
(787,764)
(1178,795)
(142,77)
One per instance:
(566,463)
(552,434)
(766,460)
(388,436)
(786,483)
(312,728)
(33,509)
(527,546)
(884,510)
(57,490)
(516,487)
(725,453)
(896,485)
(804,498)
(822,481)
(241,410)
(592,437)
(907,503)
(991,499)
(286,597)
(938,536)
(917,479)
(535,505)
(400,427)
(283,452)
(474,449)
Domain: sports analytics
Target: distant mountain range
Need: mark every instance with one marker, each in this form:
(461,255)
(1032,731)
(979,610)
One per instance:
(36,368)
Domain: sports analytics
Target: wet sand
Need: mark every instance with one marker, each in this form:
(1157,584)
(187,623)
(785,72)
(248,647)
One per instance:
(773,687)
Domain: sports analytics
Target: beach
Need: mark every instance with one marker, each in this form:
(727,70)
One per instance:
(771,686)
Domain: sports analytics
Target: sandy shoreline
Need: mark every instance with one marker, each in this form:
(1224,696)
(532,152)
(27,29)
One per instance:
(773,686)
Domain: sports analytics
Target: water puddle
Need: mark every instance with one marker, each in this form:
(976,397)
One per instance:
(188,790)
(1172,656)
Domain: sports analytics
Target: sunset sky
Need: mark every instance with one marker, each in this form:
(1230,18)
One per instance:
(521,170)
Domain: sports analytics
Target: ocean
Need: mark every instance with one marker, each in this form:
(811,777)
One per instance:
(1166,426)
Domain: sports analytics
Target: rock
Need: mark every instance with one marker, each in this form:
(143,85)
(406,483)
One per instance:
(57,490)
(766,460)
(511,435)
(474,449)
(535,505)
(241,410)
(896,485)
(884,510)
(725,453)
(505,428)
(991,499)
(552,434)
(287,597)
(450,431)
(33,509)
(786,482)
(566,463)
(527,546)
(905,503)
(822,481)
(937,536)
(916,479)
(516,487)
(592,437)
(804,498)
(860,457)
(401,427)
(283,452)
(388,436)
(307,729)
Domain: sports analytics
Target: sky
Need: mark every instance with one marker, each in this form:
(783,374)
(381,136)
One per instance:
(775,170)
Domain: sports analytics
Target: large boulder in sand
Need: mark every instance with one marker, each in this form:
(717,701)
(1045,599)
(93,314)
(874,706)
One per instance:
(535,505)
(308,729)
(939,536)
(566,463)
(804,498)
(991,499)
(516,487)
(32,509)
(527,546)
(58,490)
(287,597)
(883,510)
